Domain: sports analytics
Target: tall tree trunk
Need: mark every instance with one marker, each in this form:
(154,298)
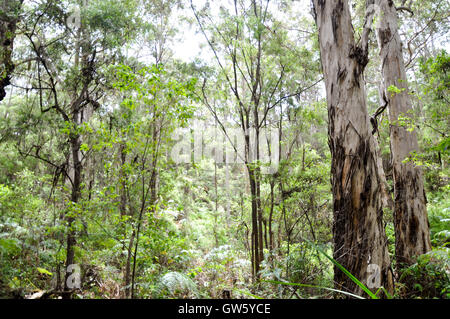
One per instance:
(412,234)
(256,260)
(127,274)
(358,231)
(9,15)
(124,211)
(80,114)
(272,203)
(137,232)
(258,194)
(257,220)
(216,205)
(123,180)
(75,144)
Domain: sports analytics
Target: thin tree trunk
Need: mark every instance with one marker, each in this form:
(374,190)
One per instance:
(272,200)
(266,243)
(75,197)
(412,234)
(123,180)
(75,167)
(128,266)
(79,115)
(136,246)
(358,230)
(255,229)
(216,206)
(124,211)
(145,193)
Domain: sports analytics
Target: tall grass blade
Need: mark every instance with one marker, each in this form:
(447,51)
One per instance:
(313,286)
(345,271)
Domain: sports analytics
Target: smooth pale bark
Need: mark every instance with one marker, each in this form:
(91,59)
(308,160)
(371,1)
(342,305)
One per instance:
(364,45)
(358,230)
(412,234)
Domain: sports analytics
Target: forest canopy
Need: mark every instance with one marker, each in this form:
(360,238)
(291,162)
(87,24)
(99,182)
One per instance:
(279,149)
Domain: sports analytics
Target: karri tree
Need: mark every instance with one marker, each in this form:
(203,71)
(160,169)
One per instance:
(358,230)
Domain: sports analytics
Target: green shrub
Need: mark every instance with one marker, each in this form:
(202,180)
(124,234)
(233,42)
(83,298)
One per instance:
(428,277)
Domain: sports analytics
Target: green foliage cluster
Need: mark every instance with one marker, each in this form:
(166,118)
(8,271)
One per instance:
(149,227)
(428,278)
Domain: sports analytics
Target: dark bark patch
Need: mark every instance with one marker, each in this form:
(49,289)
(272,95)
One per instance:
(321,3)
(385,35)
(366,192)
(331,116)
(424,242)
(413,229)
(361,58)
(403,227)
(341,74)
(3,84)
(337,11)
(360,55)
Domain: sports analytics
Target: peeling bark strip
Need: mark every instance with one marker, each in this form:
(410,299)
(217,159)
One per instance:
(9,15)
(412,234)
(358,231)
